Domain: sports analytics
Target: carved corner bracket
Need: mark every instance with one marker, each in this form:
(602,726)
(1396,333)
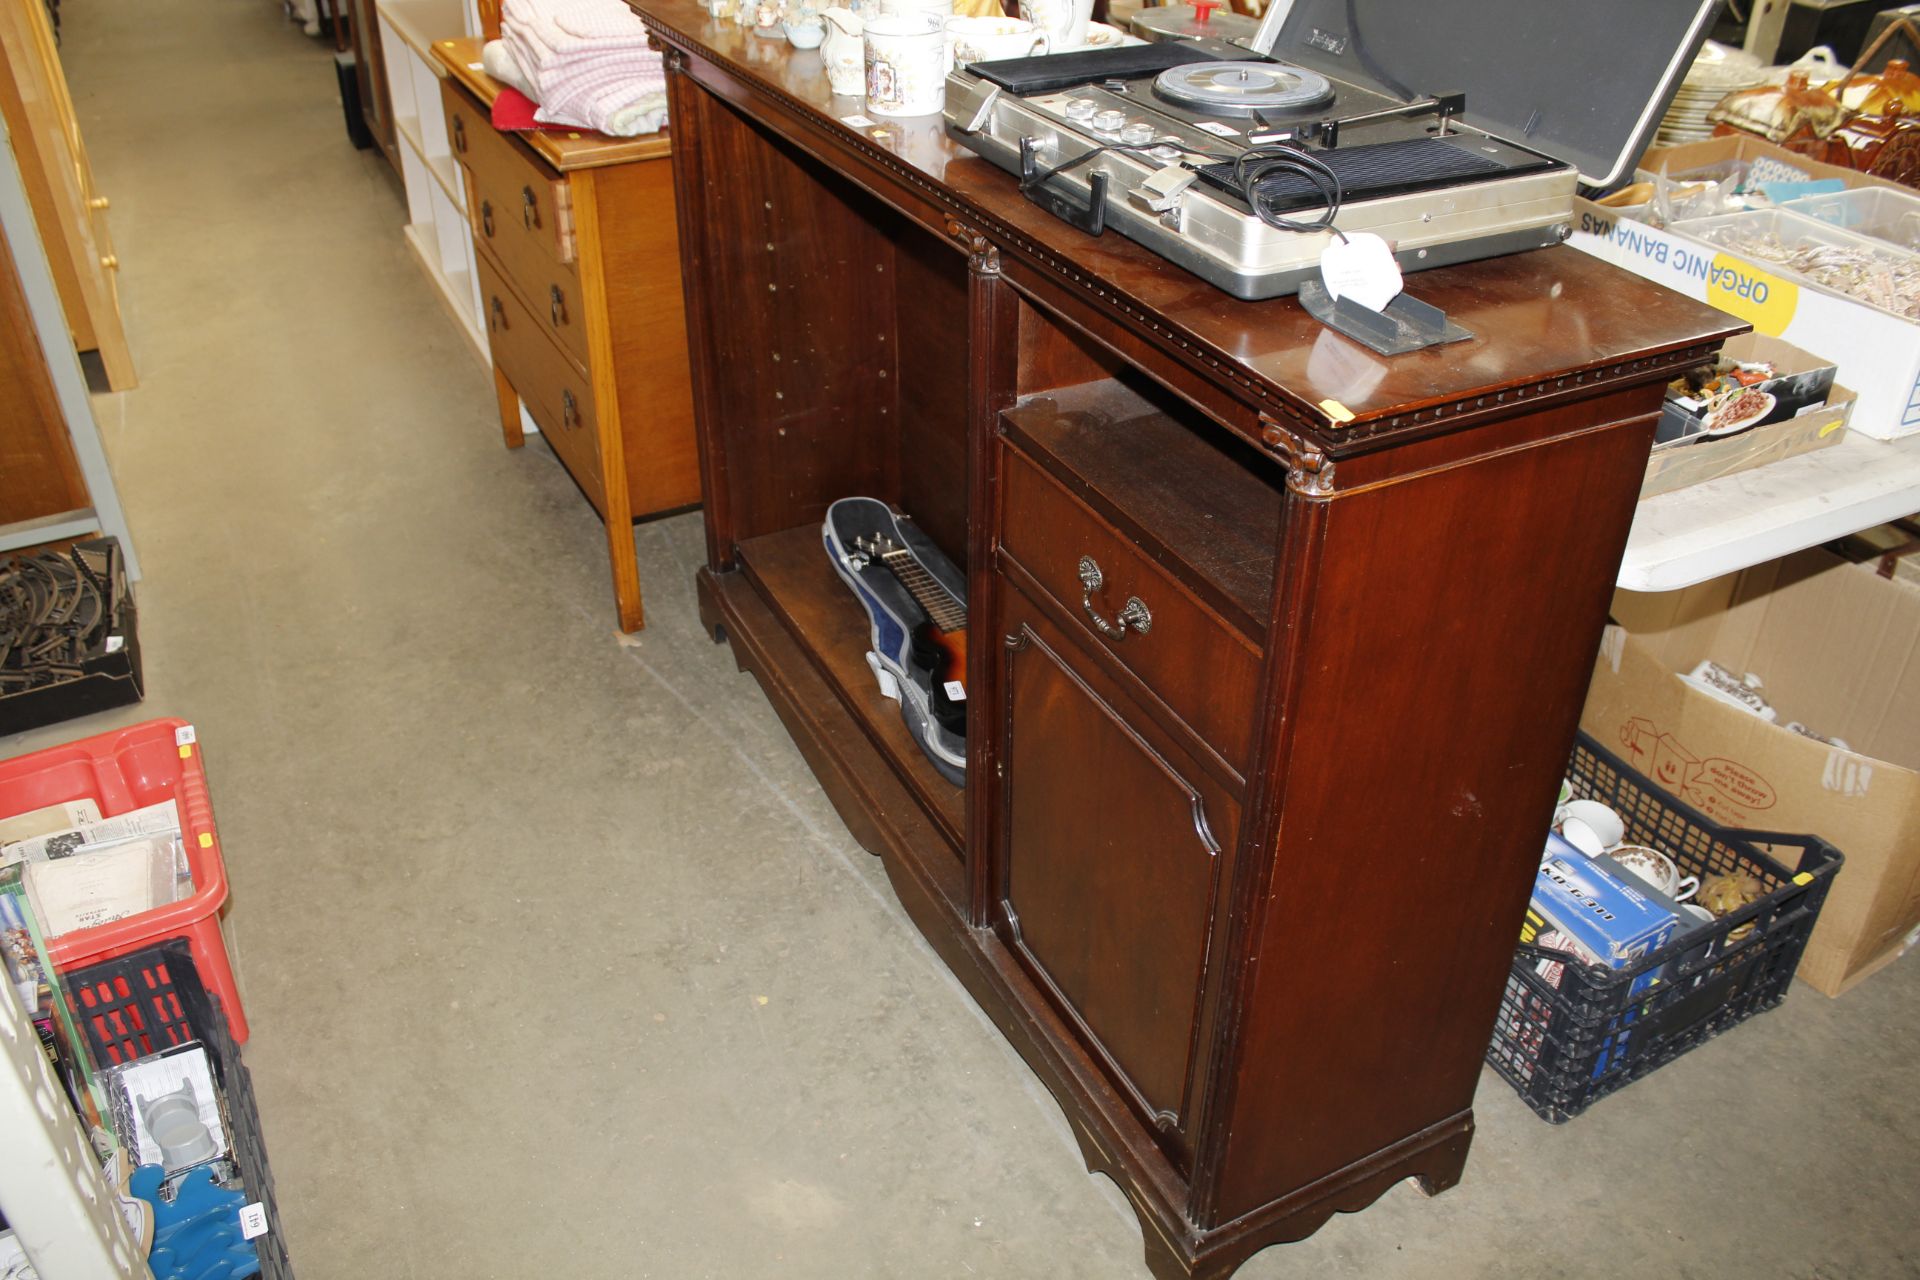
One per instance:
(1309,470)
(983,256)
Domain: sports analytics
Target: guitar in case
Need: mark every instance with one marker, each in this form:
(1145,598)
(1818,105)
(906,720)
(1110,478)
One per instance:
(916,603)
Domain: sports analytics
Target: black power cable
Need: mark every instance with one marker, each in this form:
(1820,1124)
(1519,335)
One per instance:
(1251,169)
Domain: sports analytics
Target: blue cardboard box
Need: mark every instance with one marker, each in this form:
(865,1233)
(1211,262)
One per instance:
(1610,921)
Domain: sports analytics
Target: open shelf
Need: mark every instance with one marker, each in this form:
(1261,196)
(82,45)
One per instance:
(442,167)
(790,570)
(1213,507)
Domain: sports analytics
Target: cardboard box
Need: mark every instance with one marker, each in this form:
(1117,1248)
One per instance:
(1878,353)
(1838,649)
(1811,414)
(1892,549)
(1801,382)
(1698,459)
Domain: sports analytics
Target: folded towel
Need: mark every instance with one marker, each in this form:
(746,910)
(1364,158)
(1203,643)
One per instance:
(498,61)
(586,62)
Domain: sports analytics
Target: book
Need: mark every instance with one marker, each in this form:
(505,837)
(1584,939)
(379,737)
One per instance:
(31,975)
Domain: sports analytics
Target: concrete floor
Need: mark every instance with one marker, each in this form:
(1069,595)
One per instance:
(558,962)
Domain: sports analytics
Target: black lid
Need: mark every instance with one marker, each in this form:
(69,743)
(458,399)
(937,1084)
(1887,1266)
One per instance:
(1584,81)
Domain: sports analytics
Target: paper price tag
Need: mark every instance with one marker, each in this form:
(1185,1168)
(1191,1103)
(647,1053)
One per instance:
(1360,267)
(184,736)
(856,122)
(889,685)
(1218,130)
(956,690)
(253,1221)
(116,643)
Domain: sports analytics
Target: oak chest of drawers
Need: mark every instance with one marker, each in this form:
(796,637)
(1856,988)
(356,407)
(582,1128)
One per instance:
(579,279)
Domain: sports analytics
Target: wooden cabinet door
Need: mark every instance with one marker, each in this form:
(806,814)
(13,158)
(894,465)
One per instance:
(39,475)
(1111,866)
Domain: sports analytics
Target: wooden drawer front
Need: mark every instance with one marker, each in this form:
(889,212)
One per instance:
(1205,672)
(1113,863)
(555,299)
(557,395)
(519,208)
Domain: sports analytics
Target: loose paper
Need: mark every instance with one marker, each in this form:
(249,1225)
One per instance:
(161,819)
(44,822)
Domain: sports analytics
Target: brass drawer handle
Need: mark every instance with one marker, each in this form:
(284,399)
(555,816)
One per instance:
(529,211)
(1134,613)
(460,133)
(497,316)
(486,217)
(559,305)
(569,410)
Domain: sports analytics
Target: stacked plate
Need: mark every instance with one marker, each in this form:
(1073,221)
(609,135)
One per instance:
(1717,72)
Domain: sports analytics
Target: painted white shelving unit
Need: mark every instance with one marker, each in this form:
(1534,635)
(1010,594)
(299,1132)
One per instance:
(437,227)
(60,1208)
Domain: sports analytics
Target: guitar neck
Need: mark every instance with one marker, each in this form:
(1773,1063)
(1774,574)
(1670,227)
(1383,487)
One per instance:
(946,613)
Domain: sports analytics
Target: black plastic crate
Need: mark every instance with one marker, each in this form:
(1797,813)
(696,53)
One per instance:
(1567,1038)
(152,1000)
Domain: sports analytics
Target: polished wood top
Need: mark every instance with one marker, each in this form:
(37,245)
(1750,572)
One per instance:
(1543,321)
(584,149)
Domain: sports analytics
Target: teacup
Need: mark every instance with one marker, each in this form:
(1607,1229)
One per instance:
(1065,21)
(987,39)
(1589,826)
(1658,870)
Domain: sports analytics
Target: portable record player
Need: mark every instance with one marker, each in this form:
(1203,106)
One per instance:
(1453,131)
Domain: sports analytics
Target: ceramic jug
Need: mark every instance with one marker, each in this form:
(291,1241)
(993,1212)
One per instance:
(845,52)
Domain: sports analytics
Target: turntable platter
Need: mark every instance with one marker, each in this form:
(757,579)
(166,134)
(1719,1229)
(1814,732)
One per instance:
(1243,88)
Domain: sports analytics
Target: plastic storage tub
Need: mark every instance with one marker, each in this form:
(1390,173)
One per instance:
(1795,230)
(128,769)
(152,1000)
(1892,216)
(1569,1037)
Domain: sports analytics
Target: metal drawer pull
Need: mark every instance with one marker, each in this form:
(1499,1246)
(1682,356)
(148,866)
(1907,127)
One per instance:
(486,217)
(1134,613)
(460,133)
(569,411)
(498,316)
(559,304)
(529,211)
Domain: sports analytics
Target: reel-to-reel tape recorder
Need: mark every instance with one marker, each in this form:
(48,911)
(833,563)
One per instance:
(1241,165)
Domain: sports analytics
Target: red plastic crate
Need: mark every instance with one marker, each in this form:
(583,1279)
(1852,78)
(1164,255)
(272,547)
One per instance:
(128,769)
